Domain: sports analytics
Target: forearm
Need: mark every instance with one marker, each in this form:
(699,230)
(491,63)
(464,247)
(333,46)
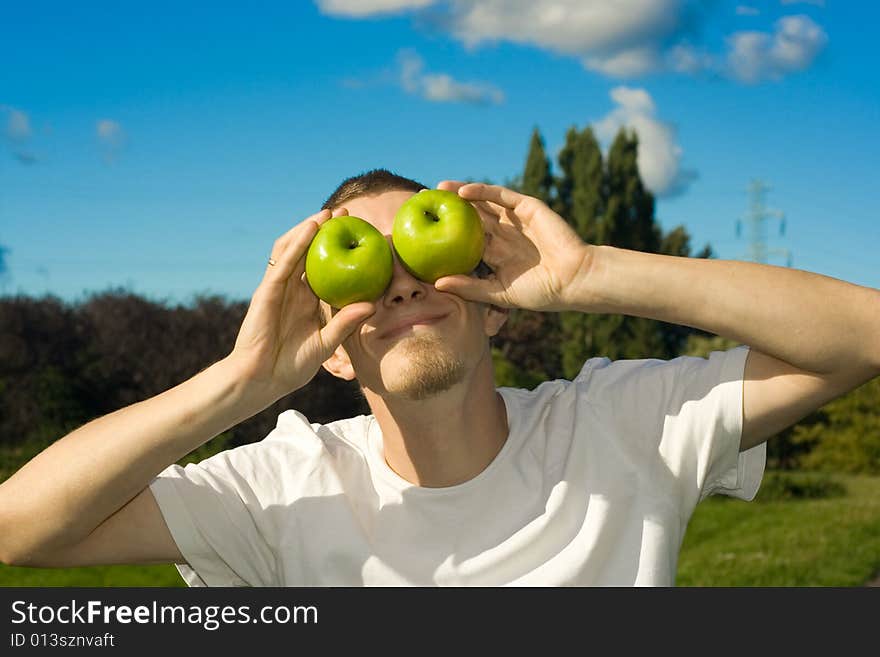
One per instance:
(66,491)
(813,322)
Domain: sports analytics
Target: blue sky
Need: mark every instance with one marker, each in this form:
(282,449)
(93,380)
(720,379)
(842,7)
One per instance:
(163,147)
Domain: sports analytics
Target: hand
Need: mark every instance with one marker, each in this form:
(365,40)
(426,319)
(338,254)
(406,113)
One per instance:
(535,256)
(282,341)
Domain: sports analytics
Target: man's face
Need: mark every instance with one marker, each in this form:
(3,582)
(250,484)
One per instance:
(416,361)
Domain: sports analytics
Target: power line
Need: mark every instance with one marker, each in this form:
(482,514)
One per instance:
(756,217)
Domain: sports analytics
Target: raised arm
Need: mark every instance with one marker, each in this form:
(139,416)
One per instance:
(812,338)
(86,499)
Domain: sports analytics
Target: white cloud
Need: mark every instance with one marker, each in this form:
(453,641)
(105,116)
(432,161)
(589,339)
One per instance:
(625,63)
(684,58)
(659,158)
(616,38)
(578,27)
(441,87)
(108,131)
(18,132)
(364,8)
(111,137)
(757,56)
(18,124)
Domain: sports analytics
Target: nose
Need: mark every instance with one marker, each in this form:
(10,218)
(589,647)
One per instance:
(404,287)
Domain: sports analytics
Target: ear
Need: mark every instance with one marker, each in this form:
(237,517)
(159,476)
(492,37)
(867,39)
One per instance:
(494,319)
(339,365)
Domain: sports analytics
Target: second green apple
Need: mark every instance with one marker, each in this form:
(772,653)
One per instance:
(437,233)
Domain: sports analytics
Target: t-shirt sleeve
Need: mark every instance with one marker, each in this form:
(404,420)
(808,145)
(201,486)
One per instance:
(703,426)
(686,414)
(212,513)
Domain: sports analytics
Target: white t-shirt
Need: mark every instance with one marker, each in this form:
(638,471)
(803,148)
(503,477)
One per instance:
(593,487)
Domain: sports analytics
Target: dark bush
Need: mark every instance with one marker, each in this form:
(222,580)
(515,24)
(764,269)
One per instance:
(785,486)
(62,365)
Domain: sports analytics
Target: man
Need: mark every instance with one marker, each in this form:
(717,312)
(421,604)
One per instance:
(450,480)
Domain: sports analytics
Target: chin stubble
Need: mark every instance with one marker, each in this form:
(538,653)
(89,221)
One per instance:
(429,368)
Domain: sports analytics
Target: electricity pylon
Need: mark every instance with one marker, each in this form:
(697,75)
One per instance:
(756,216)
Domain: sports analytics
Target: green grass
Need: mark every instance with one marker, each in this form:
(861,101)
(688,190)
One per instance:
(773,541)
(802,542)
(91,576)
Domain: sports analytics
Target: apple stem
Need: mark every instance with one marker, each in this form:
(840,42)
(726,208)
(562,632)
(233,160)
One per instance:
(433,216)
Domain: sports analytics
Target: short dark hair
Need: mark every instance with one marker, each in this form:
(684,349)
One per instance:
(370,183)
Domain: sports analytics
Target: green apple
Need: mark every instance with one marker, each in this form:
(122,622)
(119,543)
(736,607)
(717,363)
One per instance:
(437,233)
(348,260)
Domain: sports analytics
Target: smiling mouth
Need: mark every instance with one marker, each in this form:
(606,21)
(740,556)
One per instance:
(410,327)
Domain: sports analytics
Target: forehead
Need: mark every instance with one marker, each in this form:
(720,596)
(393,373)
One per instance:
(379,210)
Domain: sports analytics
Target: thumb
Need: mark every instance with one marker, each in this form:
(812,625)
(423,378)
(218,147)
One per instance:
(470,288)
(344,323)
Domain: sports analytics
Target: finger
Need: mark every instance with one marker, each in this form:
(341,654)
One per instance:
(299,270)
(318,218)
(491,229)
(489,208)
(494,253)
(450,185)
(488,214)
(271,297)
(500,211)
(502,196)
(283,240)
(290,253)
(473,289)
(344,323)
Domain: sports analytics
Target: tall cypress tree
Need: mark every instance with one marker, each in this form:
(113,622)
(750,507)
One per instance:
(537,180)
(580,201)
(562,201)
(629,217)
(606,203)
(526,347)
(578,195)
(587,203)
(613,207)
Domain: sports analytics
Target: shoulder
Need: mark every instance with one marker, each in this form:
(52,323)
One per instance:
(601,371)
(630,393)
(295,442)
(294,430)
(685,371)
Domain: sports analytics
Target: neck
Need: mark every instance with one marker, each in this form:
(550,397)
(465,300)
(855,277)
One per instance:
(446,439)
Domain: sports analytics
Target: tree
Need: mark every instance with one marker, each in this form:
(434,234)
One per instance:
(606,203)
(537,180)
(63,365)
(587,198)
(579,200)
(628,221)
(525,349)
(842,436)
(578,196)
